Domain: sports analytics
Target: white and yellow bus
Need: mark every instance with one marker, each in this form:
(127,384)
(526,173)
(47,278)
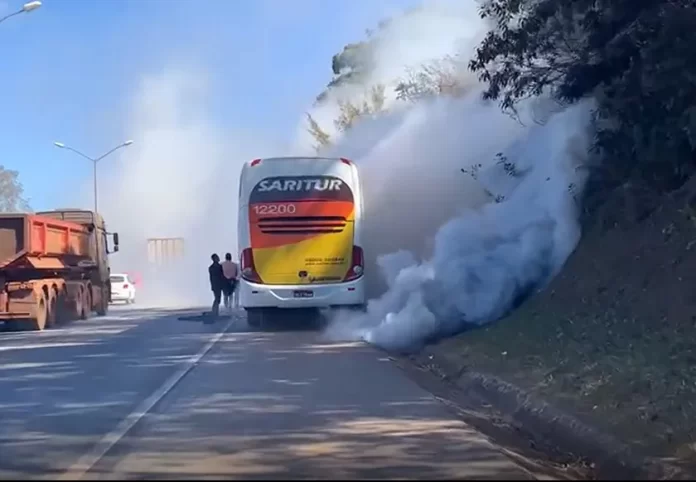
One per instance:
(300,227)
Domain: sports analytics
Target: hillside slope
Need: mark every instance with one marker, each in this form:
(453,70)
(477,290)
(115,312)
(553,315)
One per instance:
(613,339)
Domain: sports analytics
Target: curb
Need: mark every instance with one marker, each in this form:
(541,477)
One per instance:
(611,459)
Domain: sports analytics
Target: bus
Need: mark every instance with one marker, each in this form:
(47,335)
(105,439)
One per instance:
(299,234)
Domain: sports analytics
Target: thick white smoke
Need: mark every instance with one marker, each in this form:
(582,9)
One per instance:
(180,178)
(450,255)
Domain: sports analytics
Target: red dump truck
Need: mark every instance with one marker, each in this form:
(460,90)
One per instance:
(54,266)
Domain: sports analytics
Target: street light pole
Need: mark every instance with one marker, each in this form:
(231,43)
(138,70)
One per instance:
(94,181)
(27,7)
(94,162)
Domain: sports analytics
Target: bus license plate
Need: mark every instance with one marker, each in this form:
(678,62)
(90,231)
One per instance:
(303,293)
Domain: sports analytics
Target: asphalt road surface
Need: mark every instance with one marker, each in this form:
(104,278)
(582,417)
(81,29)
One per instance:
(143,394)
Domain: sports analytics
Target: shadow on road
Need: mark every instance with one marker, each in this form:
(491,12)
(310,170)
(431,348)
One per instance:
(63,388)
(260,405)
(117,312)
(264,406)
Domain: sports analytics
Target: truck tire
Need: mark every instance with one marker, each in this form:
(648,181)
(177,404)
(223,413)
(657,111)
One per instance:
(39,323)
(77,305)
(52,305)
(86,304)
(62,309)
(103,307)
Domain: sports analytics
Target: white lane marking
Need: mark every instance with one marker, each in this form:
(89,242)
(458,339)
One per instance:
(42,345)
(91,458)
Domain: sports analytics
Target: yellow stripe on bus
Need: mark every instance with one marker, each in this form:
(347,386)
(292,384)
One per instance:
(326,258)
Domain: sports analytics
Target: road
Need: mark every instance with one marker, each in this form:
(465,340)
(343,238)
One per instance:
(145,394)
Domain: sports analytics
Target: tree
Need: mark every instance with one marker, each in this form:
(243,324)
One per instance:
(11,192)
(634,56)
(439,77)
(322,137)
(350,113)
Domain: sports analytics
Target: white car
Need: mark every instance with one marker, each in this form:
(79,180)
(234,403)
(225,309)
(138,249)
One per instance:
(122,288)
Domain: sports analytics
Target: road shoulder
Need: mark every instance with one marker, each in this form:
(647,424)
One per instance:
(539,437)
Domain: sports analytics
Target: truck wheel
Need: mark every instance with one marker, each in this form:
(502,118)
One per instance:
(103,307)
(77,306)
(39,323)
(62,309)
(52,315)
(86,305)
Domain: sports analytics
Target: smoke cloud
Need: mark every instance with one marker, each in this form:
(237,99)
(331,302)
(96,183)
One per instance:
(445,251)
(448,251)
(180,178)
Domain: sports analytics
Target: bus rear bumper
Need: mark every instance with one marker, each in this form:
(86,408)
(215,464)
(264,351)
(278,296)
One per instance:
(252,295)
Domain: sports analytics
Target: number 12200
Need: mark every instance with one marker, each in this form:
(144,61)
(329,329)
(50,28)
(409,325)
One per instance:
(275,209)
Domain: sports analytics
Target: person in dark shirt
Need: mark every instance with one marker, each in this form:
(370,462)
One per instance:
(217,283)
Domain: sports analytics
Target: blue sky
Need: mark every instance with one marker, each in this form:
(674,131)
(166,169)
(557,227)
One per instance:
(69,70)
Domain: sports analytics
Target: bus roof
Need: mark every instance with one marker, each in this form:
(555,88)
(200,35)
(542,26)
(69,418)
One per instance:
(253,171)
(300,158)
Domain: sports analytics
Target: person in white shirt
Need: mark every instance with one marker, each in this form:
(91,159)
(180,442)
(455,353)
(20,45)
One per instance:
(230,270)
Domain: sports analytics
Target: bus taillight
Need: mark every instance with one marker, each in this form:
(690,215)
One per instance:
(357,265)
(248,268)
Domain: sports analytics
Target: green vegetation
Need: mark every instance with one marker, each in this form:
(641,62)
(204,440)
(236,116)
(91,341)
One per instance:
(349,114)
(440,77)
(634,56)
(437,78)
